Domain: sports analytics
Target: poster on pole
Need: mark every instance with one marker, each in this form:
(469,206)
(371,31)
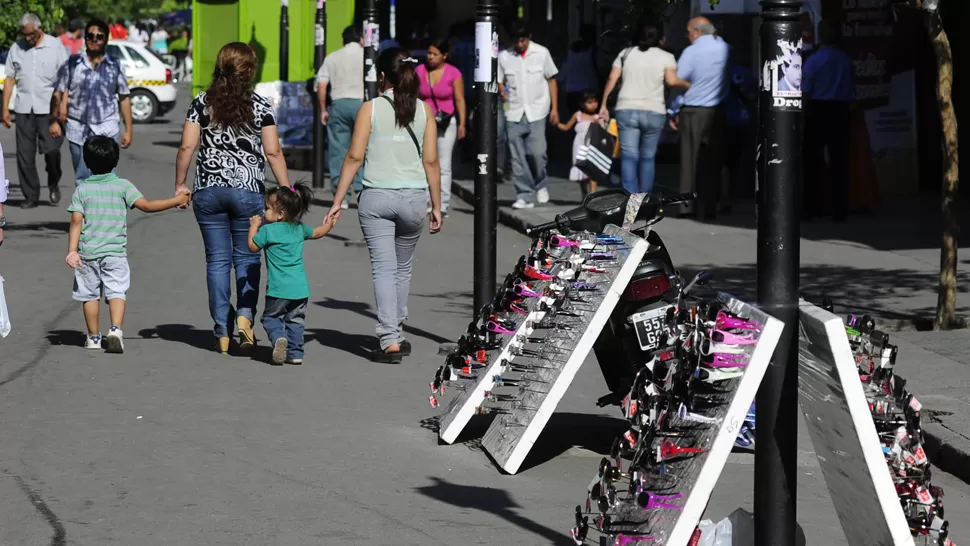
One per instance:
(782,75)
(486,50)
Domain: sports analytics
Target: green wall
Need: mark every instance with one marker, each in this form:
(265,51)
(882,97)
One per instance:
(257,22)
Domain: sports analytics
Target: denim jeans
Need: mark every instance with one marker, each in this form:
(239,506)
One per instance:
(286,318)
(223,215)
(340,127)
(639,136)
(527,142)
(81,171)
(392,222)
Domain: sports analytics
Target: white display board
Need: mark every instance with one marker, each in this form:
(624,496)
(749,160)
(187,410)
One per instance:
(846,442)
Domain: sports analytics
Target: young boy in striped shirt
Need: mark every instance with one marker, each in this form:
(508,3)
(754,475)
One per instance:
(98,244)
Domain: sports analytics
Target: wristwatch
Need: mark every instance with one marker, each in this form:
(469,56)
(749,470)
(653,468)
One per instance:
(3,222)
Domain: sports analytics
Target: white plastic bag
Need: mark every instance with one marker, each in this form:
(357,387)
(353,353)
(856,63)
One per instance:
(4,316)
(734,530)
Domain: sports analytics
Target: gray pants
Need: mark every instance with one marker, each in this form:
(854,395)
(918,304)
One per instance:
(31,130)
(527,142)
(392,222)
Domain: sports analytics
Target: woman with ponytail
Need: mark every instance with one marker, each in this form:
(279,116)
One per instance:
(396,142)
(234,130)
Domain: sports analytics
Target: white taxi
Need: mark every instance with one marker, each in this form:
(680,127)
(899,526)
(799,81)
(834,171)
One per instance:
(150,80)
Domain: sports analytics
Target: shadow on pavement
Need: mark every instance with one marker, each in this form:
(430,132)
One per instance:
(879,292)
(66,337)
(364,309)
(564,431)
(356,344)
(57,227)
(182,333)
(167,143)
(493,501)
(459,302)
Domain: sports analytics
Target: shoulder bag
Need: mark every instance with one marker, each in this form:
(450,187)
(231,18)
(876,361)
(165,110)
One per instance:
(410,131)
(441,119)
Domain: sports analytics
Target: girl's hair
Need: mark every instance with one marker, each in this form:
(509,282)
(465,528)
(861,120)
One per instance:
(230,95)
(293,201)
(648,36)
(398,68)
(441,44)
(589,94)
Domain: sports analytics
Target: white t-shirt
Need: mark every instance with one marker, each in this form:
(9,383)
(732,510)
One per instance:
(643,79)
(160,41)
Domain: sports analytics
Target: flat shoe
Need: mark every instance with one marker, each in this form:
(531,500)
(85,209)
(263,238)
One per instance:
(405,348)
(247,339)
(385,357)
(279,351)
(222,345)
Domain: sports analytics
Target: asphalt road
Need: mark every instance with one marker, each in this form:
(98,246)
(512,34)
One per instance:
(171,443)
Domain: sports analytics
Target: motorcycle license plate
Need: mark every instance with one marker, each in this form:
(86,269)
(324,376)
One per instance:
(649,327)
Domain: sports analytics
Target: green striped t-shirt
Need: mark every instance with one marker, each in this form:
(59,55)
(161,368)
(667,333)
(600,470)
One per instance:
(104,200)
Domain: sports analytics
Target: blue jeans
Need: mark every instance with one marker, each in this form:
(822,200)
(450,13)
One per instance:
(286,318)
(340,127)
(639,136)
(527,142)
(223,215)
(81,171)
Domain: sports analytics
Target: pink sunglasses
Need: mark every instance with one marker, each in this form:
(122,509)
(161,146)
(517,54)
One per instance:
(720,336)
(733,323)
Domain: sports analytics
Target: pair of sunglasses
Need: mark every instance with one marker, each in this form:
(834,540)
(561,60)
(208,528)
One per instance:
(95,37)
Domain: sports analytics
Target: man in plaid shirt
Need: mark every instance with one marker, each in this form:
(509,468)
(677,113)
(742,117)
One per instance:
(91,88)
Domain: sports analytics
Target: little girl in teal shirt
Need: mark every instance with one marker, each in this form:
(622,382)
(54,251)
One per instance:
(287,288)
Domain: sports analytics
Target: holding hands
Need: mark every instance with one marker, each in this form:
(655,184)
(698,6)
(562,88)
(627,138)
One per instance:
(255,222)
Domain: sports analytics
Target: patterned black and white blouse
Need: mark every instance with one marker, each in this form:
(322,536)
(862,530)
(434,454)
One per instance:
(227,158)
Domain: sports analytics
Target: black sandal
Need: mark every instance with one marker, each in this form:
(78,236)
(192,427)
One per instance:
(384,357)
(405,348)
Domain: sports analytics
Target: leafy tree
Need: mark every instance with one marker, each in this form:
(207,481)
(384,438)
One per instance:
(49,11)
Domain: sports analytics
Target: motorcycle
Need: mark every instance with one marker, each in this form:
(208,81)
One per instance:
(633,329)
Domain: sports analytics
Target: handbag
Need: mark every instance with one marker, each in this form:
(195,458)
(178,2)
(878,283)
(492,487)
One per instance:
(442,119)
(595,156)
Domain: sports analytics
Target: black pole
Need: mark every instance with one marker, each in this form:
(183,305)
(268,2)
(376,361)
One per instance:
(486,69)
(779,175)
(372,40)
(319,52)
(284,40)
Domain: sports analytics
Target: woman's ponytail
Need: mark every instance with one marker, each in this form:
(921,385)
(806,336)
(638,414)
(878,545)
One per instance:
(400,73)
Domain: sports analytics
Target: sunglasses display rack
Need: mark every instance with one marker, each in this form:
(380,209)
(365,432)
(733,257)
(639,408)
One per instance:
(686,408)
(519,356)
(888,437)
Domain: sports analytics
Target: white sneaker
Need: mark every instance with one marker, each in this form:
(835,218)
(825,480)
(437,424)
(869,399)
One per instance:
(93,342)
(522,204)
(542,196)
(344,205)
(115,340)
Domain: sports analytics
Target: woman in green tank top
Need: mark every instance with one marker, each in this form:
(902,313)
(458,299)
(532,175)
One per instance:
(396,141)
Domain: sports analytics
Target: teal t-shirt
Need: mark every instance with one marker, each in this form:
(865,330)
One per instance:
(283,243)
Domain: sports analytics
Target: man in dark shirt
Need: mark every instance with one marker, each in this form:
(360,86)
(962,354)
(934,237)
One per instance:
(828,90)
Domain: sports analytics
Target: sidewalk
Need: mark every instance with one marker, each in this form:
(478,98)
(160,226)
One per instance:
(884,263)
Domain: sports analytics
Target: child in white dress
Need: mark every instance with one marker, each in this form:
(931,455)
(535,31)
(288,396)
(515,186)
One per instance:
(581,122)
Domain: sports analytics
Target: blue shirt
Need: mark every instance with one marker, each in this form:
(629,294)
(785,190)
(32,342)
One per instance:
(828,75)
(92,98)
(704,64)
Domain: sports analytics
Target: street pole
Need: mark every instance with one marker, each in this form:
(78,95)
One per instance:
(486,68)
(392,12)
(372,40)
(319,51)
(284,40)
(779,175)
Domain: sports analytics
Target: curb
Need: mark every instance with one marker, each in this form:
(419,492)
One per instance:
(946,449)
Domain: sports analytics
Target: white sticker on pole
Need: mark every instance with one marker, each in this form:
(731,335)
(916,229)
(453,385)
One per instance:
(782,75)
(483,52)
(318,35)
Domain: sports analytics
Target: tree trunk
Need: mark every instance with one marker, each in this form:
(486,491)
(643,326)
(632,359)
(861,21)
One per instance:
(946,302)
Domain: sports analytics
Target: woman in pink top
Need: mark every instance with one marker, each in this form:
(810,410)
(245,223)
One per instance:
(443,89)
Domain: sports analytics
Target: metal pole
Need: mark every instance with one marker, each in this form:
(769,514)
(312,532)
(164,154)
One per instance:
(486,69)
(779,175)
(372,40)
(319,52)
(284,40)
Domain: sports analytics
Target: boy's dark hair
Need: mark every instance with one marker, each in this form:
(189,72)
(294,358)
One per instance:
(100,154)
(351,34)
(101,25)
(294,201)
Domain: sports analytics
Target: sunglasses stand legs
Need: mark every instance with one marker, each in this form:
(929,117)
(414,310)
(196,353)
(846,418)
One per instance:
(867,432)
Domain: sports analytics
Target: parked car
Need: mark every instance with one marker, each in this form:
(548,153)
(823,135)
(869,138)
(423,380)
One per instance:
(150,80)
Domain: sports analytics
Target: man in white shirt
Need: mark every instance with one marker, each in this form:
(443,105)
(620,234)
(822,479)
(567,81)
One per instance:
(343,72)
(527,81)
(32,66)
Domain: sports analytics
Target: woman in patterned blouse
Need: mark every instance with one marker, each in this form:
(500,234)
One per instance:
(234,130)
